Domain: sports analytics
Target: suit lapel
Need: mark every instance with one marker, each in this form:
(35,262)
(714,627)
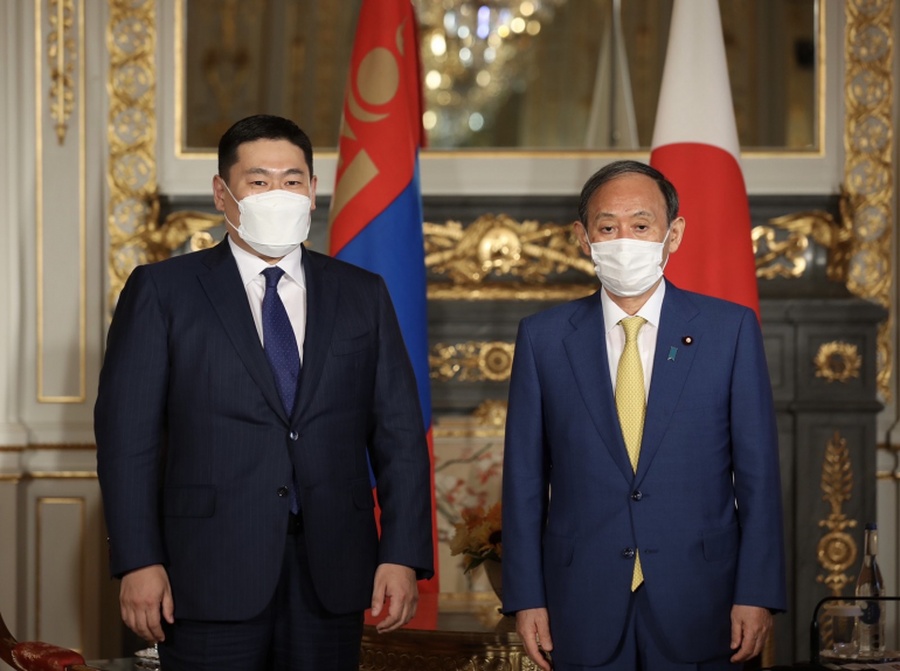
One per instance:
(226,292)
(586,349)
(322,297)
(671,365)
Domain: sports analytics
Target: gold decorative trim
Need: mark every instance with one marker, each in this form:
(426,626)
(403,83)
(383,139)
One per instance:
(48,446)
(180,228)
(61,446)
(491,413)
(884,356)
(467,432)
(497,247)
(836,551)
(868,166)
(780,255)
(60,475)
(48,475)
(133,208)
(471,361)
(444,291)
(488,420)
(61,57)
(837,361)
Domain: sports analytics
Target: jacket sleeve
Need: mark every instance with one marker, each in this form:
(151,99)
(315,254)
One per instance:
(399,452)
(760,579)
(129,425)
(525,483)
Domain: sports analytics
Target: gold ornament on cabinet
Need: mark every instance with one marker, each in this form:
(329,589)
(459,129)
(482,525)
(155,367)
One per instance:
(837,361)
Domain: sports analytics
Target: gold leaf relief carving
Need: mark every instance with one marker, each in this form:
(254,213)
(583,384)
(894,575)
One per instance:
(499,246)
(836,551)
(868,164)
(837,361)
(471,361)
(61,55)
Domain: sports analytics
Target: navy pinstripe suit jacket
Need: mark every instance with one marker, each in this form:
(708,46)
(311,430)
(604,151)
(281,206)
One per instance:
(194,447)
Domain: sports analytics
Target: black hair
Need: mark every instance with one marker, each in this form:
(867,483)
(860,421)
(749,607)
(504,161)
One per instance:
(261,127)
(619,168)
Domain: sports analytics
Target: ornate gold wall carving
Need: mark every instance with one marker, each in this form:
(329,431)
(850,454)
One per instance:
(837,550)
(837,361)
(62,54)
(780,247)
(133,208)
(488,420)
(497,245)
(499,258)
(868,167)
(471,361)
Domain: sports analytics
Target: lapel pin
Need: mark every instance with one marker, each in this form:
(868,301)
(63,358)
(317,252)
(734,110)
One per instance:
(672,352)
(688,340)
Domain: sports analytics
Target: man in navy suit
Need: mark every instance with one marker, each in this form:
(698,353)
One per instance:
(643,536)
(245,391)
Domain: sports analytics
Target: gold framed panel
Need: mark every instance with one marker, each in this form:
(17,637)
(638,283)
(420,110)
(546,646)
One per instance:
(60,43)
(241,67)
(44,509)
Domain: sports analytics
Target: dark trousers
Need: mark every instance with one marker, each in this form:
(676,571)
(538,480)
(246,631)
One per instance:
(640,648)
(293,633)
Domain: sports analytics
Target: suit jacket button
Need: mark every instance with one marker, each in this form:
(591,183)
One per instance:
(282,491)
(293,435)
(628,553)
(637,495)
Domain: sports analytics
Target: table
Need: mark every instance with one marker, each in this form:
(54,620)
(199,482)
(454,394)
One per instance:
(449,632)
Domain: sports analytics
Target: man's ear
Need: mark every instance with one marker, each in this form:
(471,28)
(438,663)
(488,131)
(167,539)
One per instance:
(219,193)
(580,232)
(312,192)
(676,234)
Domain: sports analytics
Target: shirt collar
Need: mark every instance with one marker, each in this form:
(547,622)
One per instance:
(651,310)
(250,266)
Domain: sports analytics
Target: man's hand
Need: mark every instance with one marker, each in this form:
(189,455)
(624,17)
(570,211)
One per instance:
(144,593)
(750,627)
(397,583)
(533,627)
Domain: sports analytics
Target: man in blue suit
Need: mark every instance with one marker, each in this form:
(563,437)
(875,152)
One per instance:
(245,391)
(642,520)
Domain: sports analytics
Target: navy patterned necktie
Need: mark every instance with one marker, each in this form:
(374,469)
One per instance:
(279,340)
(280,345)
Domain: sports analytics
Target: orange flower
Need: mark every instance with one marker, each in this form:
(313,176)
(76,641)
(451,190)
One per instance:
(478,536)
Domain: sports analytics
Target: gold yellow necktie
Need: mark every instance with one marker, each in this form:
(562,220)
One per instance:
(631,404)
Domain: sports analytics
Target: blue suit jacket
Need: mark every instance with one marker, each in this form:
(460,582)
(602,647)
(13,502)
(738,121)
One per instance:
(194,448)
(704,507)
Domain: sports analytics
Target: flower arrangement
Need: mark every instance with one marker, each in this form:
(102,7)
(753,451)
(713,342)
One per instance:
(478,536)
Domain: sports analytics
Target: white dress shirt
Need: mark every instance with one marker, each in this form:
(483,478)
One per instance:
(615,334)
(291,288)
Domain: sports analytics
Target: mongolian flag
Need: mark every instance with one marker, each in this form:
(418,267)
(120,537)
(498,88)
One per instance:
(695,145)
(376,210)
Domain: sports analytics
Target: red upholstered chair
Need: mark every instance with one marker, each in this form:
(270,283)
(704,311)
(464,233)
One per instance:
(38,656)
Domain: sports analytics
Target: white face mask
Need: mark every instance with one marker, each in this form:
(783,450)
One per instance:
(628,267)
(274,223)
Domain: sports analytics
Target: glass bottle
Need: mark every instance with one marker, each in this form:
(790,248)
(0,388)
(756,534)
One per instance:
(870,583)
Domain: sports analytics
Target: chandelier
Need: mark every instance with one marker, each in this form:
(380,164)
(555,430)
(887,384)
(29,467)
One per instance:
(474,55)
